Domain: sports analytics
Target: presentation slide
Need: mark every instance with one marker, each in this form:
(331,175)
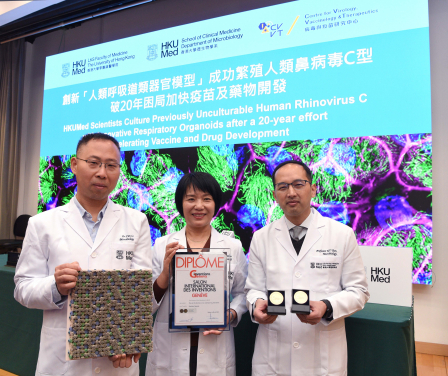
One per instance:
(342,86)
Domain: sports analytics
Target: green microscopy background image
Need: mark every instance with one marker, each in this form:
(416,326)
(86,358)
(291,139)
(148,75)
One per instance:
(381,186)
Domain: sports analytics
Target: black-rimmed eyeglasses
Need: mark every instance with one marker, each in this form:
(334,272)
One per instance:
(95,165)
(296,184)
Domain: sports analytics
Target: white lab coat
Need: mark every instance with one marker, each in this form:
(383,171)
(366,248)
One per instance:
(60,236)
(216,354)
(288,346)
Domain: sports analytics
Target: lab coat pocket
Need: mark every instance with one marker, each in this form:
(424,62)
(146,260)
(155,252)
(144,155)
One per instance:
(122,255)
(265,352)
(52,352)
(229,356)
(273,347)
(220,344)
(325,273)
(161,355)
(333,351)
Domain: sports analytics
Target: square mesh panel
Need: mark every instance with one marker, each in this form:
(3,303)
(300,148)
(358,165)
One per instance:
(110,313)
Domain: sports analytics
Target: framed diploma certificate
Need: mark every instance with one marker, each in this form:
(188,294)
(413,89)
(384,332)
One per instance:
(199,290)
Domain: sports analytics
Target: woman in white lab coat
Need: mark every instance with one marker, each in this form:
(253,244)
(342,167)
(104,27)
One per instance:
(210,352)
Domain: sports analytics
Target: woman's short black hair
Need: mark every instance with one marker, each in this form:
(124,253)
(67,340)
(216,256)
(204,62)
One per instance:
(198,180)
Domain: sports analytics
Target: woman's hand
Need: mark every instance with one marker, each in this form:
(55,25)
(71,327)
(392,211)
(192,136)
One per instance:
(231,315)
(164,277)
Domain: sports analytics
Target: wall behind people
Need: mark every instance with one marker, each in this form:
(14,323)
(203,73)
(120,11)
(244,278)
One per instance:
(430,302)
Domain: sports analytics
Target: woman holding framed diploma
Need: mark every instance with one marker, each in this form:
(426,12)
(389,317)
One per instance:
(210,352)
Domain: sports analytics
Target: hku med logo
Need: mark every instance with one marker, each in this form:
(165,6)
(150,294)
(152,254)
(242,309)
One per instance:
(376,273)
(169,48)
(79,67)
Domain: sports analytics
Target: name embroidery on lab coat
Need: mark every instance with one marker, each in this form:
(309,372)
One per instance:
(324,265)
(328,252)
(127,238)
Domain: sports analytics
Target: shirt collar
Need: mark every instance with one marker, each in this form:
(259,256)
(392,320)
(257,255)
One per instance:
(306,223)
(84,212)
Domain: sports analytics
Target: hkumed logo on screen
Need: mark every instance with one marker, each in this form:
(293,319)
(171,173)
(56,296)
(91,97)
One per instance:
(79,67)
(170,48)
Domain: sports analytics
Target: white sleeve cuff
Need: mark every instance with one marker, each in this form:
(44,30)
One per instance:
(56,297)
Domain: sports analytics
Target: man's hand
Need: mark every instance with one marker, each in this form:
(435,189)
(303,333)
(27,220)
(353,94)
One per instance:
(260,314)
(66,276)
(124,360)
(219,330)
(317,311)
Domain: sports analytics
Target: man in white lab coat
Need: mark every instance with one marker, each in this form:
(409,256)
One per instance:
(90,232)
(303,250)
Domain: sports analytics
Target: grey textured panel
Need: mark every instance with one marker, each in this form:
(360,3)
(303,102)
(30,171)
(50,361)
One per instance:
(110,313)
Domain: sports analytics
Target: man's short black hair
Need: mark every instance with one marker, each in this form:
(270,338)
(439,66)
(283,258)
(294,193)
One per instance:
(198,180)
(96,136)
(308,172)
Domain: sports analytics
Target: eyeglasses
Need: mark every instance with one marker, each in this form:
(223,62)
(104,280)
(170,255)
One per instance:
(296,184)
(94,165)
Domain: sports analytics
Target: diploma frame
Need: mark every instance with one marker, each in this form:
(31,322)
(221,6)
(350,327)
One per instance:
(178,295)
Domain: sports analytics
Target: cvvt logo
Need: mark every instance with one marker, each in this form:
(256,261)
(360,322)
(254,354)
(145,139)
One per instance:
(170,48)
(152,52)
(271,28)
(377,273)
(65,70)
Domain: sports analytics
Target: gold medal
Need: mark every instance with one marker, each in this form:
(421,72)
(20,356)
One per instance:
(276,298)
(300,297)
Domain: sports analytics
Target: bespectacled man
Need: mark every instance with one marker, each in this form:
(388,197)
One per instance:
(303,252)
(84,234)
